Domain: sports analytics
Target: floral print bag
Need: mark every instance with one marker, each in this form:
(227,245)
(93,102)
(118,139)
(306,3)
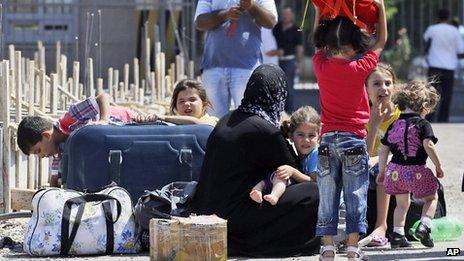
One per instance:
(67,222)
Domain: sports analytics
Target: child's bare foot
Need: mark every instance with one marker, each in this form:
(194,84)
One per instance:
(256,196)
(271,199)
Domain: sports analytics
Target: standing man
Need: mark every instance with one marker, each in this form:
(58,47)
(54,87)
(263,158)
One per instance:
(290,50)
(443,45)
(233,46)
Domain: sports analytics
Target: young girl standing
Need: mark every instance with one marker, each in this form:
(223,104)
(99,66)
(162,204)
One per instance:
(411,141)
(303,130)
(380,87)
(188,106)
(343,158)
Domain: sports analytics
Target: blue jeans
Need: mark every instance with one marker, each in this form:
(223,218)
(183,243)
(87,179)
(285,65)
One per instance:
(223,85)
(342,163)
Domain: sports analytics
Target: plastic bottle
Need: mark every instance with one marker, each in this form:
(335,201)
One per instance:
(443,229)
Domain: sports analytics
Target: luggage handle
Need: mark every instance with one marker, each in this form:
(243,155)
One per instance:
(115,160)
(185,159)
(67,240)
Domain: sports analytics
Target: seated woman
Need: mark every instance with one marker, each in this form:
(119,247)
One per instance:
(245,146)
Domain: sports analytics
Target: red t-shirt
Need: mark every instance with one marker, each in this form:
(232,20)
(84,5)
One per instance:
(343,95)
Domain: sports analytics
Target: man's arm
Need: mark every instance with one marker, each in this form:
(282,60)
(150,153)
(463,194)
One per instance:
(263,17)
(211,21)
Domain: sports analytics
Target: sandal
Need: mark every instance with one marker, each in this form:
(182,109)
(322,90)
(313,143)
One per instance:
(359,254)
(327,248)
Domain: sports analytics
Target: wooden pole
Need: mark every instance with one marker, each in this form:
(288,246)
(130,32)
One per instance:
(153,87)
(42,92)
(41,50)
(162,74)
(64,72)
(125,90)
(75,77)
(54,94)
(30,158)
(58,58)
(31,84)
(191,69)
(123,93)
(172,74)
(90,83)
(136,73)
(116,84)
(110,83)
(178,69)
(18,83)
(99,86)
(5,118)
(159,77)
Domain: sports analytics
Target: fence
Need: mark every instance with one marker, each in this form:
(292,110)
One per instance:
(28,90)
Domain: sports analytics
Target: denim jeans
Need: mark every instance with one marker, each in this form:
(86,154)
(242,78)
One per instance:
(342,163)
(224,85)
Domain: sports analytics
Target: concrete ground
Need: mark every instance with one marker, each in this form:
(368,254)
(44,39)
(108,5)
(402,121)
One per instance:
(451,151)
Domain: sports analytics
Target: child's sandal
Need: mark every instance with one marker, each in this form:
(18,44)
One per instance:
(324,249)
(358,253)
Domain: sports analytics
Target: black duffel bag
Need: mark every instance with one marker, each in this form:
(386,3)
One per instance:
(173,199)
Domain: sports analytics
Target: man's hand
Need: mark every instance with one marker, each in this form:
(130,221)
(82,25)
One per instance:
(234,13)
(246,4)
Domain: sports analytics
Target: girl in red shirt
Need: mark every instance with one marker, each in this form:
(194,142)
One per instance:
(343,157)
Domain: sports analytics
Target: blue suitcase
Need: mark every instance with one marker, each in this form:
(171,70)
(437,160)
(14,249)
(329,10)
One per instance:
(136,157)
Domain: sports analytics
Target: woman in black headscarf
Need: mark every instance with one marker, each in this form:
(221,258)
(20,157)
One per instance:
(245,146)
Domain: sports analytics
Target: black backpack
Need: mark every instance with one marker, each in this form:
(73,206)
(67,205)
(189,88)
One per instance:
(173,199)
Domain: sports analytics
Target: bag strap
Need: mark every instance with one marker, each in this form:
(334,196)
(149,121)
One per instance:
(109,227)
(68,239)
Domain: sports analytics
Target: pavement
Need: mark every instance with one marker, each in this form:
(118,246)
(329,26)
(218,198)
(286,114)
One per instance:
(450,149)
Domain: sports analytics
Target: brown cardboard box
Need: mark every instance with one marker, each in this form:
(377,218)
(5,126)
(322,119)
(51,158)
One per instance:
(193,238)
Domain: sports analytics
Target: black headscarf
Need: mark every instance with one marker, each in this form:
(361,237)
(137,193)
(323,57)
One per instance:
(265,93)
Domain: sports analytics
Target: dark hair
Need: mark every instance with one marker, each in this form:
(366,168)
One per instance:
(30,131)
(334,34)
(419,96)
(443,14)
(304,115)
(182,86)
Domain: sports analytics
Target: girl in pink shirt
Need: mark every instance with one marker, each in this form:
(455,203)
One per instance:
(343,158)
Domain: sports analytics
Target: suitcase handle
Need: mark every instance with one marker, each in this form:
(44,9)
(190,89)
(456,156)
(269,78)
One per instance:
(115,160)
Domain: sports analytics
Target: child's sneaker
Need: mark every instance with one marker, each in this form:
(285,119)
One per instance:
(423,233)
(398,240)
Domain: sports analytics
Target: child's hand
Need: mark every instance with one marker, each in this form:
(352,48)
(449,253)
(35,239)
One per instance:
(284,172)
(380,178)
(140,118)
(377,115)
(440,172)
